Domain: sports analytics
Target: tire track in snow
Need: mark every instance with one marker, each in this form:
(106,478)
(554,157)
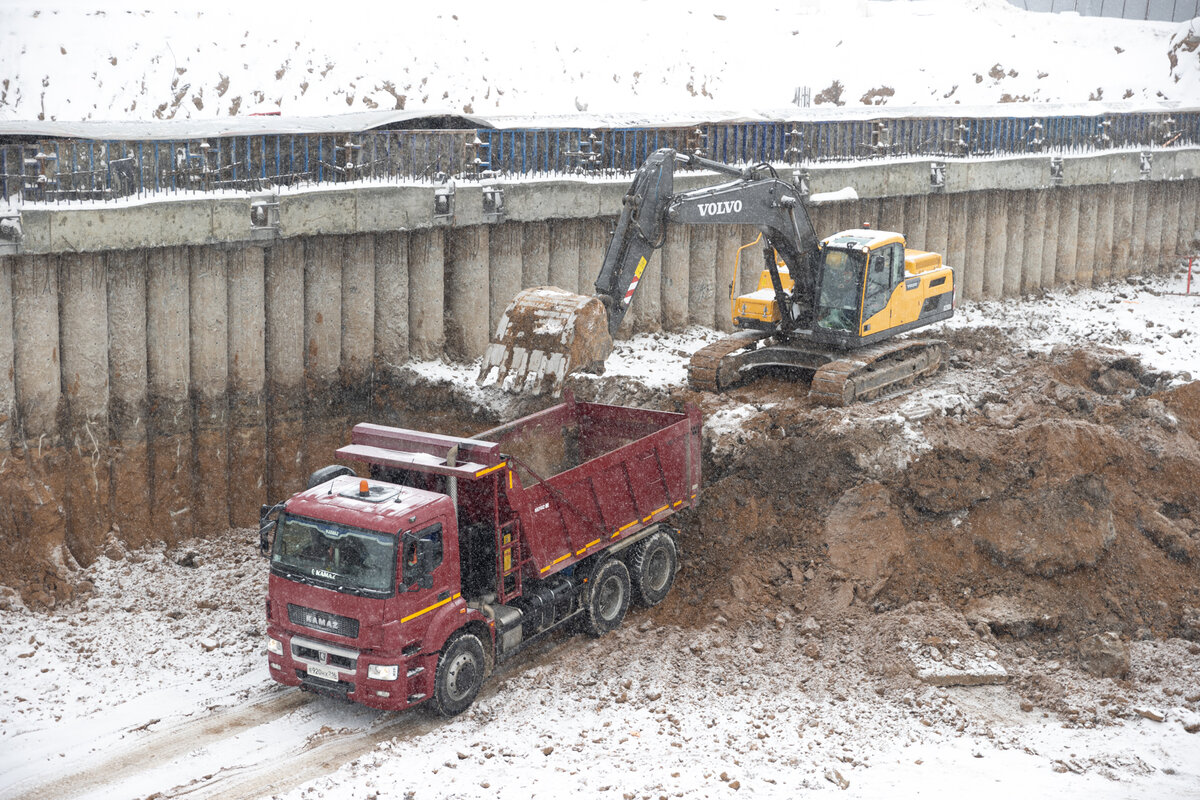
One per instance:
(173,741)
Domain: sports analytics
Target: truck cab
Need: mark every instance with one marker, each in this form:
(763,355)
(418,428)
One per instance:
(363,572)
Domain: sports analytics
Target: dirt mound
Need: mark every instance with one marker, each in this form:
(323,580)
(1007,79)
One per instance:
(1061,501)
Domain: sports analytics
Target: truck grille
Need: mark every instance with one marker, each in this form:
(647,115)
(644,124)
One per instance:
(322,657)
(323,621)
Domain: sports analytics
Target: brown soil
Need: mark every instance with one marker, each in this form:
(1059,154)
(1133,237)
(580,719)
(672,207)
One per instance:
(1070,486)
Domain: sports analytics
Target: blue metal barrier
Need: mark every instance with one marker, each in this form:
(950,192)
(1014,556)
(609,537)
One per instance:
(67,170)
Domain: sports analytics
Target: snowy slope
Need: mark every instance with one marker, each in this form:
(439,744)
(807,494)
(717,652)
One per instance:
(73,60)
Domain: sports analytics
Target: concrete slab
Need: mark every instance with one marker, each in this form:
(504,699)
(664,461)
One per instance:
(312,213)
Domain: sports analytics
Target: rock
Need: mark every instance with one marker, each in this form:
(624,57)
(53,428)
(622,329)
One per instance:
(1009,615)
(812,649)
(810,626)
(1073,527)
(1168,536)
(1152,714)
(547,750)
(865,533)
(1154,410)
(209,644)
(735,785)
(1104,655)
(1114,381)
(835,777)
(956,668)
(190,559)
(1026,705)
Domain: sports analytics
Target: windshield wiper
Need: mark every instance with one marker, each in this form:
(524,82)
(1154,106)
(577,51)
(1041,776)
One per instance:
(294,575)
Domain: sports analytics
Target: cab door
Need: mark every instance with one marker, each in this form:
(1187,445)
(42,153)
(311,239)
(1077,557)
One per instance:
(885,272)
(429,574)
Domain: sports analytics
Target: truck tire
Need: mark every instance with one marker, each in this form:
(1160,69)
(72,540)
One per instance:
(327,474)
(460,673)
(652,567)
(609,597)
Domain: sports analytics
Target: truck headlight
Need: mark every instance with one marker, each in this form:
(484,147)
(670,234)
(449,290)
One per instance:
(380,672)
(274,646)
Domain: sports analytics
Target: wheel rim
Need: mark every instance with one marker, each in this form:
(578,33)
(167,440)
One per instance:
(658,569)
(609,602)
(460,677)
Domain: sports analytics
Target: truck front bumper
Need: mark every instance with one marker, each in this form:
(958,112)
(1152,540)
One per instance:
(337,671)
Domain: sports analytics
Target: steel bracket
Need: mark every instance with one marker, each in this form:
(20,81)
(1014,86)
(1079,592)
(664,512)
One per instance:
(493,203)
(264,217)
(10,233)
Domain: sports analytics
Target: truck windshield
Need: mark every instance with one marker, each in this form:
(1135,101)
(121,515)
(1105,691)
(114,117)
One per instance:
(337,556)
(841,276)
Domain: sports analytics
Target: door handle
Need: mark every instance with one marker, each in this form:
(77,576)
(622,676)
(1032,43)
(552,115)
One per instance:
(444,595)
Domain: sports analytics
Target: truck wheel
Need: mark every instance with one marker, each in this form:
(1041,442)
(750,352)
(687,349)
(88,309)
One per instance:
(460,673)
(609,597)
(327,474)
(652,567)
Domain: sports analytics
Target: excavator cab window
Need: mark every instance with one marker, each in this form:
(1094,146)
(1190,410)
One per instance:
(885,270)
(841,287)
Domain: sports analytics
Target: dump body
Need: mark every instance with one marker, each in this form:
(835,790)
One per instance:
(586,475)
(456,552)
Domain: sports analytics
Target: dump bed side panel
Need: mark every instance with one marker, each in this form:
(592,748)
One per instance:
(631,468)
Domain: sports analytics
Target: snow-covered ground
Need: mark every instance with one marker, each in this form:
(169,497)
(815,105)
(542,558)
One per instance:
(156,681)
(77,59)
(1152,318)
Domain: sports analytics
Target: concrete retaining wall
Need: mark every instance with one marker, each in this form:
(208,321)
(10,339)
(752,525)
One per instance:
(164,371)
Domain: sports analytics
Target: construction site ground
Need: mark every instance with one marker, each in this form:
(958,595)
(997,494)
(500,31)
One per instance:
(988,583)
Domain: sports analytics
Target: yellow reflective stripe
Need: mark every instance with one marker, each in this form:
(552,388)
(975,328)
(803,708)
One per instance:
(558,560)
(586,546)
(483,472)
(623,528)
(655,511)
(678,503)
(510,480)
(438,604)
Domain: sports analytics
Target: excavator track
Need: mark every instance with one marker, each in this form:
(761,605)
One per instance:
(711,369)
(870,372)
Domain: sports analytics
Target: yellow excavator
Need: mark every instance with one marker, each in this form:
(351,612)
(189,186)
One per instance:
(830,308)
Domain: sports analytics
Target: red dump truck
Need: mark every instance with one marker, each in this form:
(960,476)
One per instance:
(408,585)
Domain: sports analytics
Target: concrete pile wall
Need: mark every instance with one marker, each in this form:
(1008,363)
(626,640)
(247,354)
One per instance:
(164,370)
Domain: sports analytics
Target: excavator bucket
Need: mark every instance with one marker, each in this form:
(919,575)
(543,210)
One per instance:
(545,334)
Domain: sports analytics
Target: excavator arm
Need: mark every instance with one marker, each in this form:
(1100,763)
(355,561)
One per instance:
(751,198)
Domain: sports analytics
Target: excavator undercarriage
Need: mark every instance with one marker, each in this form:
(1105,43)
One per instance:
(838,378)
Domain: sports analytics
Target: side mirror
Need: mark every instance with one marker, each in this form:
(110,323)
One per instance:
(265,526)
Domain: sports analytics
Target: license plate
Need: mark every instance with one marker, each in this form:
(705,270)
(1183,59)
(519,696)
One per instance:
(326,673)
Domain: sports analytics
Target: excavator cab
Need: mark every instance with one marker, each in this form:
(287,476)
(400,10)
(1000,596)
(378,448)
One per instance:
(870,287)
